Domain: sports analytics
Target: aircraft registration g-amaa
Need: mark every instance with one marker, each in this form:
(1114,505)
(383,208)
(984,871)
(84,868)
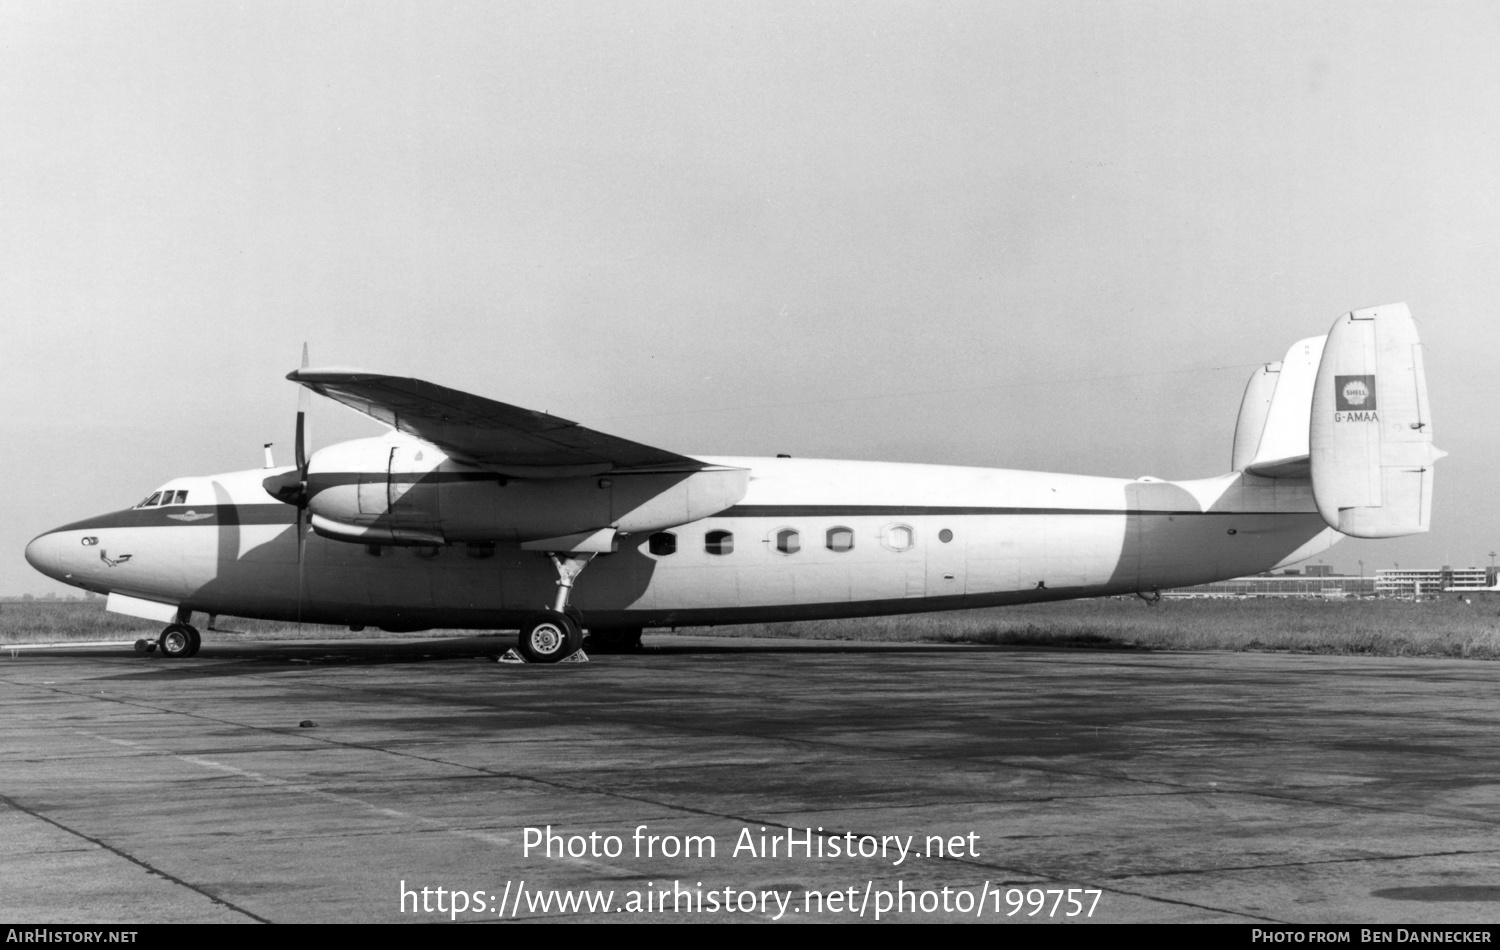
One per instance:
(471,513)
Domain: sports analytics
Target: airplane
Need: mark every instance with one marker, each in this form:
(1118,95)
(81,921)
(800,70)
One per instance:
(474,514)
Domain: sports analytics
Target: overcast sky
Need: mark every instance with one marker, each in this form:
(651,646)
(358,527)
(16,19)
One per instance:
(1032,235)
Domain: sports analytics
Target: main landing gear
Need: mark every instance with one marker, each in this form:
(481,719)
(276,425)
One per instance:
(549,636)
(556,634)
(178,641)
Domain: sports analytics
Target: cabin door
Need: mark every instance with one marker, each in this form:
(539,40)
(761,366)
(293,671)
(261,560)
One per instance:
(946,560)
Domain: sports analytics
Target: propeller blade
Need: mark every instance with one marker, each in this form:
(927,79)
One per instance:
(301,576)
(304,403)
(304,455)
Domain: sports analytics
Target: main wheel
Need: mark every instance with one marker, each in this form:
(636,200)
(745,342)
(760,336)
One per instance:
(549,637)
(196,638)
(176,641)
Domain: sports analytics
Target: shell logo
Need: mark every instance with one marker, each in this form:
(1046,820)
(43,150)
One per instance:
(1354,394)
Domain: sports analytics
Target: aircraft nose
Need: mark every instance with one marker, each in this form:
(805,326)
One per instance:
(42,554)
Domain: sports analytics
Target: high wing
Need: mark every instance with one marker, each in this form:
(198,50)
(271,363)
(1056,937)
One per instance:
(505,438)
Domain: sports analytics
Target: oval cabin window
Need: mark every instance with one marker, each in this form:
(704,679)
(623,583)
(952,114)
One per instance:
(840,539)
(662,543)
(899,537)
(718,542)
(788,541)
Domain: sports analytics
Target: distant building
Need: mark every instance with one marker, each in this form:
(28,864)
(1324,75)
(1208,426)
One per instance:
(1427,582)
(1321,585)
(1318,580)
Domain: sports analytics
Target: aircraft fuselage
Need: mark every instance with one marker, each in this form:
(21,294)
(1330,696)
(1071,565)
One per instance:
(809,539)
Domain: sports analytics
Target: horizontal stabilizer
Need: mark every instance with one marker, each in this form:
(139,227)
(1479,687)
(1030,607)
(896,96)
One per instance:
(1370,433)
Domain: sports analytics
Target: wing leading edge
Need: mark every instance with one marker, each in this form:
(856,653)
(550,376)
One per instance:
(507,439)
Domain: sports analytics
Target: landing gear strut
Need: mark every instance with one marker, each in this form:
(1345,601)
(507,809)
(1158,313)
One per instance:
(179,641)
(556,634)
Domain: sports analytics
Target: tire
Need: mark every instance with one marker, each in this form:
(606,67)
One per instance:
(549,637)
(196,638)
(176,641)
(143,646)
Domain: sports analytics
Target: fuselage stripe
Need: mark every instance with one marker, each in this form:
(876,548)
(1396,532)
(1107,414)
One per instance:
(276,513)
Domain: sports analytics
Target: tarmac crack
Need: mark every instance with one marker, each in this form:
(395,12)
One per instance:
(121,853)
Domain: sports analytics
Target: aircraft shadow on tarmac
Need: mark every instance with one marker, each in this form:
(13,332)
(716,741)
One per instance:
(229,658)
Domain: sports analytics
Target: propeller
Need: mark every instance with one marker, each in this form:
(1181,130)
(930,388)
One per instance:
(304,403)
(291,487)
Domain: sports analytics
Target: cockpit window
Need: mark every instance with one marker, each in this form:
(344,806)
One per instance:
(174,497)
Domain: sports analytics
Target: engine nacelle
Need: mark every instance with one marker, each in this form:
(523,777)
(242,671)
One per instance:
(397,491)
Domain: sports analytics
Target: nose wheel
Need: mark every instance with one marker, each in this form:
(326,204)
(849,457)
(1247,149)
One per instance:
(179,641)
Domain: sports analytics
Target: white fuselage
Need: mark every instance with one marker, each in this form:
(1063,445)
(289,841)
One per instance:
(870,538)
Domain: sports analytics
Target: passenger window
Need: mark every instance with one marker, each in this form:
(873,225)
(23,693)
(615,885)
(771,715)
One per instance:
(479,550)
(898,537)
(718,542)
(840,539)
(662,543)
(429,552)
(788,541)
(374,550)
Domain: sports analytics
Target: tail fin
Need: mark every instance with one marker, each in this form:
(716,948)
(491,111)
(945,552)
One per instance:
(1271,437)
(1370,432)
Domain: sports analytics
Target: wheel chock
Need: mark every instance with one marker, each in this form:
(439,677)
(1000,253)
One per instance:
(511,656)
